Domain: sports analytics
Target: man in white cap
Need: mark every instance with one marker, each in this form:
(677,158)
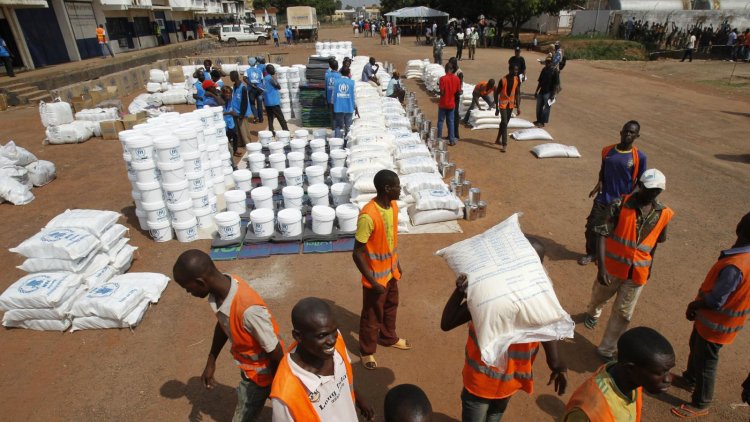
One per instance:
(636,223)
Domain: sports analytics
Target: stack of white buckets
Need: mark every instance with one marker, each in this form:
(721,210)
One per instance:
(290,78)
(337,49)
(269,158)
(179,166)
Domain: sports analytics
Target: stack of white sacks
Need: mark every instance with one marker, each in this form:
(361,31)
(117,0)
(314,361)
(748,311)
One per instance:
(62,128)
(466,98)
(358,64)
(75,264)
(170,93)
(20,170)
(179,166)
(432,74)
(337,49)
(415,68)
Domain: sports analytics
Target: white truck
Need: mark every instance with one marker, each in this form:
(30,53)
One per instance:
(305,19)
(236,33)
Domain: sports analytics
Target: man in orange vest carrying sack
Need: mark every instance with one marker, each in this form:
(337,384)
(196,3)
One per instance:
(627,243)
(244,320)
(719,312)
(487,390)
(376,256)
(615,392)
(101,36)
(314,382)
(507,97)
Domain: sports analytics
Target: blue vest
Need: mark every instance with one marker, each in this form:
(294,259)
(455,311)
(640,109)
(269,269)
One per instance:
(343,101)
(207,75)
(4,49)
(237,100)
(271,94)
(262,68)
(254,76)
(200,92)
(331,80)
(228,118)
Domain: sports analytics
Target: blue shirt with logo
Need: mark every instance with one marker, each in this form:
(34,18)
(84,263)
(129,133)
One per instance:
(271,94)
(617,174)
(200,92)
(228,118)
(237,100)
(331,79)
(343,100)
(254,76)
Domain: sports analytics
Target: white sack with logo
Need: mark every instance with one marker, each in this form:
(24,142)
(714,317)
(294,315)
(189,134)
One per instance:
(55,114)
(95,221)
(59,312)
(436,199)
(62,243)
(39,324)
(94,322)
(38,265)
(39,290)
(108,300)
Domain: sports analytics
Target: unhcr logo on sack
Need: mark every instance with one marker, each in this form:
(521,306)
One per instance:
(106,289)
(36,283)
(61,234)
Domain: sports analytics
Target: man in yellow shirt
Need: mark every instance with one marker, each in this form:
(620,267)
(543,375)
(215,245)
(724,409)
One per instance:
(376,256)
(615,392)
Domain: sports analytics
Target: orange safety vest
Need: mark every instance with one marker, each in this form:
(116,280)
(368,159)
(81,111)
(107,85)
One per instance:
(288,389)
(622,250)
(252,359)
(721,325)
(505,100)
(636,162)
(590,399)
(100,35)
(378,255)
(487,381)
(481,88)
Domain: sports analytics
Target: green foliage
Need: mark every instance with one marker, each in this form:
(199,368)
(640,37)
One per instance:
(322,7)
(603,49)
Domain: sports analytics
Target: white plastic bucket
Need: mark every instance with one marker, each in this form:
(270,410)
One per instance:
(301,133)
(262,197)
(156,211)
(193,162)
(264,142)
(341,192)
(145,171)
(262,221)
(318,194)
(149,192)
(196,181)
(140,148)
(219,187)
(265,134)
(228,225)
(213,152)
(236,201)
(278,161)
(335,144)
(186,231)
(299,145)
(142,219)
(276,148)
(160,231)
(322,219)
(290,222)
(209,136)
(338,158)
(293,196)
(256,162)
(181,211)
(243,179)
(254,147)
(200,199)
(347,215)
(320,133)
(176,192)
(293,176)
(212,204)
(167,149)
(338,175)
(282,136)
(315,175)
(320,159)
(188,139)
(205,219)
(172,172)
(270,178)
(296,159)
(318,145)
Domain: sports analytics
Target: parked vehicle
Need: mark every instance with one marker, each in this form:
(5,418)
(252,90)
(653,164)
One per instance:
(305,19)
(236,33)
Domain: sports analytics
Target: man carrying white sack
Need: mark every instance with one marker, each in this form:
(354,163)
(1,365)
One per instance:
(627,243)
(487,389)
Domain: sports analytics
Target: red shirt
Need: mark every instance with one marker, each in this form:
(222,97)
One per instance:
(449,86)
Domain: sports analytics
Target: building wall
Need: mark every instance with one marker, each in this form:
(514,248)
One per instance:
(584,19)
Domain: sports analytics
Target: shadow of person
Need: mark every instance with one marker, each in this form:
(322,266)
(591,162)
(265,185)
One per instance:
(218,403)
(132,219)
(551,405)
(485,144)
(735,158)
(556,251)
(348,322)
(579,354)
(666,398)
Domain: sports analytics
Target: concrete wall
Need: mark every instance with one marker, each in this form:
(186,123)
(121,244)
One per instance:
(584,19)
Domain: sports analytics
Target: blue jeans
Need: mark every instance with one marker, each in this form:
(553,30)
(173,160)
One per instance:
(342,122)
(446,114)
(105,48)
(256,102)
(250,400)
(542,108)
(477,409)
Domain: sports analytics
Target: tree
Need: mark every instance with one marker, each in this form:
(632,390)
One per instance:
(348,7)
(339,5)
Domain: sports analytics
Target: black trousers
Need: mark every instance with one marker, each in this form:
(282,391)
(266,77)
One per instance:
(275,112)
(8,62)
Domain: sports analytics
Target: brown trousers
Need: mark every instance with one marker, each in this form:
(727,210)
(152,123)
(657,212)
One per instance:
(377,324)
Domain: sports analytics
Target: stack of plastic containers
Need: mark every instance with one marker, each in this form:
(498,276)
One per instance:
(286,101)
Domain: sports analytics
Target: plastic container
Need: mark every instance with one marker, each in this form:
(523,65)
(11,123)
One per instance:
(167,149)
(156,211)
(149,192)
(200,199)
(338,175)
(320,159)
(278,161)
(318,194)
(318,145)
(341,192)
(265,134)
(254,147)
(193,162)
(236,201)
(145,171)
(172,172)
(320,133)
(186,231)
(219,187)
(160,231)
(293,176)
(188,140)
(315,175)
(228,177)
(290,222)
(181,211)
(228,225)
(347,215)
(262,222)
(299,145)
(243,180)
(140,149)
(293,196)
(322,219)
(270,178)
(338,158)
(262,197)
(301,134)
(276,147)
(282,136)
(256,162)
(296,159)
(213,152)
(142,219)
(212,204)
(176,192)
(264,142)
(204,216)
(196,181)
(335,144)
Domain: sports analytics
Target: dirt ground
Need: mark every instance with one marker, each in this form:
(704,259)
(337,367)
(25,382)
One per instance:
(696,136)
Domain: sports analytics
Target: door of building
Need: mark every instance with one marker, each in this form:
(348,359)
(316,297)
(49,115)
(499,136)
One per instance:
(43,36)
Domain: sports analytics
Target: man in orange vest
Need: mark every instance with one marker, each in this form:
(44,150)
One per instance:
(615,392)
(627,244)
(719,311)
(314,382)
(507,97)
(481,90)
(376,256)
(244,320)
(487,390)
(101,36)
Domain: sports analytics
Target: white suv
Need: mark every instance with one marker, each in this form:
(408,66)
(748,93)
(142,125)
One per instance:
(233,34)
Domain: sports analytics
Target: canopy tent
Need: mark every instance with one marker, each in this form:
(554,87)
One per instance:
(416,12)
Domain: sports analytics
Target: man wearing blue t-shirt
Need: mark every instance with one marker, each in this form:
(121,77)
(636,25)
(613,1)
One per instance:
(332,77)
(622,167)
(6,58)
(254,80)
(343,103)
(200,93)
(272,99)
(241,106)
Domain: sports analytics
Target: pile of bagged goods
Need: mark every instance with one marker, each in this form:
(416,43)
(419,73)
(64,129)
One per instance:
(162,93)
(20,170)
(65,128)
(76,267)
